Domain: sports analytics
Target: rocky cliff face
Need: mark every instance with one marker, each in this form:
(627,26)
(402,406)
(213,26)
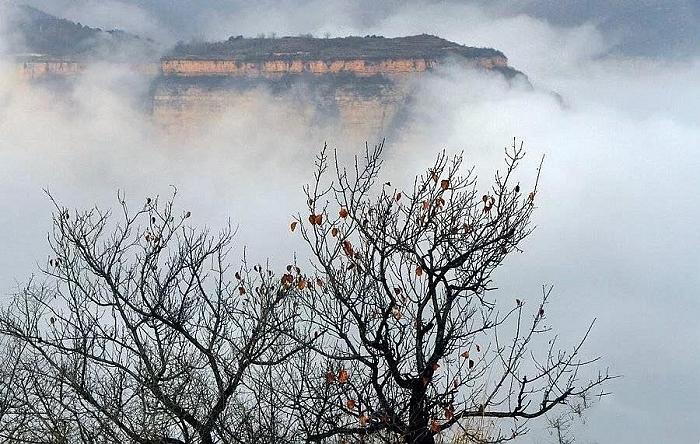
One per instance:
(361,83)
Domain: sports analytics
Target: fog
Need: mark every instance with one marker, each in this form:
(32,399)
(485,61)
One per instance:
(616,212)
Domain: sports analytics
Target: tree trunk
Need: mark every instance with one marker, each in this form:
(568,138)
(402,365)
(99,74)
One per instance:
(418,432)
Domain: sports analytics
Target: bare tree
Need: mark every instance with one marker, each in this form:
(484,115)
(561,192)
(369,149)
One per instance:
(143,332)
(409,341)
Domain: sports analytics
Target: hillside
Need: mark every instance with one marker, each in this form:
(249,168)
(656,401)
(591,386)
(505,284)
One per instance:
(36,33)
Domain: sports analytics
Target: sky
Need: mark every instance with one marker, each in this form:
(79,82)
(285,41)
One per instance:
(617,212)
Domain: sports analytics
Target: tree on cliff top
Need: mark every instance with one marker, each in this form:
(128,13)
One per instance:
(410,344)
(143,331)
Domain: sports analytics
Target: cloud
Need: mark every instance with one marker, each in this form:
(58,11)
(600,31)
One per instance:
(617,207)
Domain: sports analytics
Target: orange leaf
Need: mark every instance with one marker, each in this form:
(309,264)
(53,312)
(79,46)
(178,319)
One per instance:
(343,213)
(301,284)
(444,184)
(350,403)
(343,376)
(293,226)
(419,271)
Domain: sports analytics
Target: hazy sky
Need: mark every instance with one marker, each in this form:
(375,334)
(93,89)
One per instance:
(618,208)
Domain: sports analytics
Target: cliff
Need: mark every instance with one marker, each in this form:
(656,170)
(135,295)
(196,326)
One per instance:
(362,83)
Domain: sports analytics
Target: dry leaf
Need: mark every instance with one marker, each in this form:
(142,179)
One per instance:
(350,403)
(363,420)
(293,226)
(444,184)
(343,213)
(343,376)
(347,248)
(419,271)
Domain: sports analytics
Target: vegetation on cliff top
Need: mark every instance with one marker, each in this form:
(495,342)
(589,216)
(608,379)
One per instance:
(311,48)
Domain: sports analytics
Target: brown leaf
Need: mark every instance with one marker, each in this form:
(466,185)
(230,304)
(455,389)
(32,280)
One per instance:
(478,348)
(319,282)
(343,213)
(396,312)
(465,354)
(350,403)
(434,426)
(471,363)
(347,248)
(287,279)
(301,284)
(426,204)
(449,412)
(238,276)
(318,219)
(397,291)
(293,226)
(312,219)
(419,271)
(436,366)
(334,232)
(241,291)
(330,378)
(398,197)
(444,184)
(343,376)
(364,419)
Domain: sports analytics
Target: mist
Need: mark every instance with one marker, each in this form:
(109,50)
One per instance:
(616,208)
